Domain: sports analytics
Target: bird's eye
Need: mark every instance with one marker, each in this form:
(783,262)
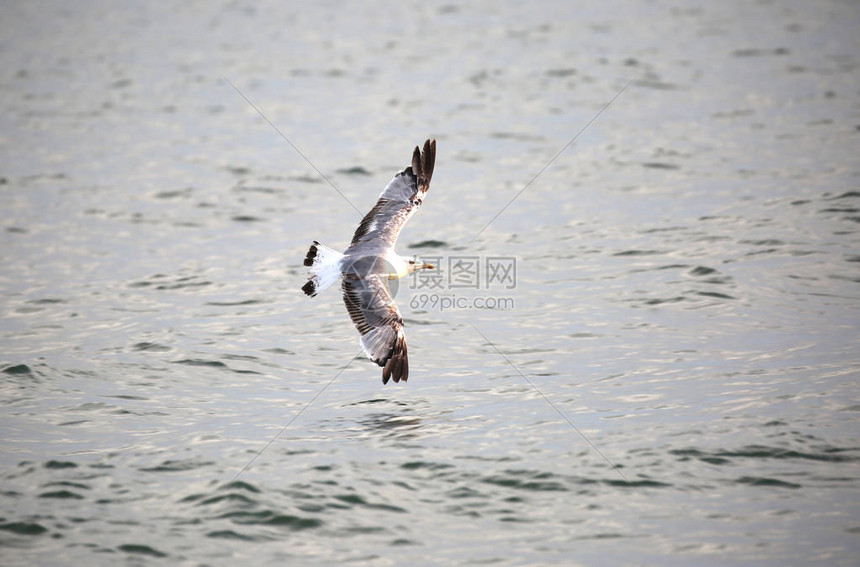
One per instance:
(411,261)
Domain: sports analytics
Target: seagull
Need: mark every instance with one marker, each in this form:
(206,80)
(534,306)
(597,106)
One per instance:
(370,262)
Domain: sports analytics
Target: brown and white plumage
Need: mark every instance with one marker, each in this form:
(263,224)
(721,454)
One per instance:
(370,262)
(379,228)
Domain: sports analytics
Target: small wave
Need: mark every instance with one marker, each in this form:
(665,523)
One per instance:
(847,195)
(568,72)
(47,301)
(527,480)
(702,271)
(660,165)
(827,454)
(714,294)
(234,303)
(764,481)
(429,244)
(62,494)
(177,466)
(140,549)
(758,52)
(357,170)
(258,189)
(18,370)
(306,179)
(23,528)
(173,194)
(201,362)
(356,500)
(212,364)
(152,347)
(52,464)
(418,465)
(639,253)
(241,498)
(241,485)
(158,282)
(230,534)
(269,518)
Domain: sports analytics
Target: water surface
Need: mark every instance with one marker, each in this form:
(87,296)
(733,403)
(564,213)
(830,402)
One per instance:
(673,381)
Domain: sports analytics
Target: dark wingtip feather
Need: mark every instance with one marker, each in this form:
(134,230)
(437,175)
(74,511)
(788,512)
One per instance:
(416,161)
(423,163)
(312,254)
(310,288)
(397,366)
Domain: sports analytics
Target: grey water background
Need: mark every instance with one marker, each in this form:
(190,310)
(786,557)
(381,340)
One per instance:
(687,284)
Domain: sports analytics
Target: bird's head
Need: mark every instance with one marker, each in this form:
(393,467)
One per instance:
(415,265)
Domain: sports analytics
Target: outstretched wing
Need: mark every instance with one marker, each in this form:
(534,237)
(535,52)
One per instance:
(372,309)
(379,228)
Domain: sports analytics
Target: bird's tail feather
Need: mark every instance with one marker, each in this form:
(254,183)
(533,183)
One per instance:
(324,263)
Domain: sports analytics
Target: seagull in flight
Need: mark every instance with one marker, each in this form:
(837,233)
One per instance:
(370,262)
